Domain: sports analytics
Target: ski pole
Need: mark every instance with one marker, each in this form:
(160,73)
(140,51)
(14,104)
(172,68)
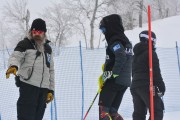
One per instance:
(99,90)
(90,106)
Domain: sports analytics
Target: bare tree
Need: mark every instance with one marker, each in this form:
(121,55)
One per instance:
(159,5)
(165,8)
(127,11)
(139,4)
(92,24)
(17,12)
(59,23)
(141,13)
(82,30)
(3,36)
(172,7)
(88,11)
(17,16)
(132,12)
(82,17)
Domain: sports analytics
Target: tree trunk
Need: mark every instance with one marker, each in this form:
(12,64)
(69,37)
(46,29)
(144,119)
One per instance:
(160,9)
(92,36)
(84,33)
(92,25)
(140,20)
(141,14)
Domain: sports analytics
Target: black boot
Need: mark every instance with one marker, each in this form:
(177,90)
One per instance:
(114,114)
(104,113)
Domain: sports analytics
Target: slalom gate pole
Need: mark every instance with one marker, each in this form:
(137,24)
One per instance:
(150,65)
(178,57)
(90,106)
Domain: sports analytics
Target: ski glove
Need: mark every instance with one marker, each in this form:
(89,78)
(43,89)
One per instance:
(11,70)
(161,89)
(50,97)
(128,49)
(100,80)
(107,75)
(100,83)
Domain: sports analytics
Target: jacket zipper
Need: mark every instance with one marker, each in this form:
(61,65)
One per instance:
(43,71)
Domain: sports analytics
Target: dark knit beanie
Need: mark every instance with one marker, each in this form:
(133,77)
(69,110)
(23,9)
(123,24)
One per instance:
(38,24)
(143,36)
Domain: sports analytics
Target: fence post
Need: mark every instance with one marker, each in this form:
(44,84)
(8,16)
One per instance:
(82,79)
(178,57)
(55,110)
(51,111)
(55,107)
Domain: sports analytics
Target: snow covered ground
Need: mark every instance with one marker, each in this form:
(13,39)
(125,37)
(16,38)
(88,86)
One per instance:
(167,116)
(166,30)
(69,89)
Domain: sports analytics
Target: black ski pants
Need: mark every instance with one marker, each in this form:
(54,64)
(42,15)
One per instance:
(141,100)
(111,94)
(31,103)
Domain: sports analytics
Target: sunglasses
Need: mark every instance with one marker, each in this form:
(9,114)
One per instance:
(37,32)
(102,26)
(103,29)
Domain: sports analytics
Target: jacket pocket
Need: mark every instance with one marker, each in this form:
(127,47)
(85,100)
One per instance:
(26,72)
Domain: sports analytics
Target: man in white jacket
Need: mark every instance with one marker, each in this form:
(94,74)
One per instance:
(32,58)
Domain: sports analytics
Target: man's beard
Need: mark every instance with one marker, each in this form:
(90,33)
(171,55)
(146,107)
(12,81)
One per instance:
(38,38)
(39,42)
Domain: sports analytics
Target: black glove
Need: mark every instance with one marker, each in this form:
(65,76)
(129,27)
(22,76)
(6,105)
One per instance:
(161,89)
(128,49)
